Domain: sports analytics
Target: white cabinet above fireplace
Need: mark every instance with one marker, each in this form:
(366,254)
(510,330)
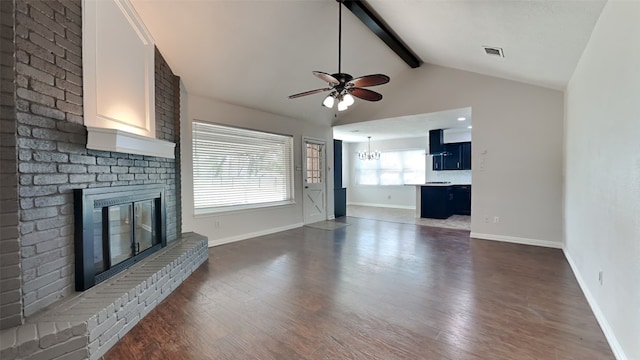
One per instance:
(119,80)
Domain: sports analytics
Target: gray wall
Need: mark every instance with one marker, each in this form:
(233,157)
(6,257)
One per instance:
(52,157)
(602,171)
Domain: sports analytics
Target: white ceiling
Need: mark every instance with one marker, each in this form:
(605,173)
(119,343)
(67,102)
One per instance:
(405,126)
(256,53)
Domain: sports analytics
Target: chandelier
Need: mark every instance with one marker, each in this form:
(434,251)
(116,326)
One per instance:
(368,155)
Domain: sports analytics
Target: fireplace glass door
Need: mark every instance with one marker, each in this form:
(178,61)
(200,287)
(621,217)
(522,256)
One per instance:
(131,228)
(145,226)
(120,230)
(99,262)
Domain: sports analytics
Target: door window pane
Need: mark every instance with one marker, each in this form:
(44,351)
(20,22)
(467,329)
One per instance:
(314,163)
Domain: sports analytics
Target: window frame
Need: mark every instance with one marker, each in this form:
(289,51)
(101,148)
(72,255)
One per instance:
(289,173)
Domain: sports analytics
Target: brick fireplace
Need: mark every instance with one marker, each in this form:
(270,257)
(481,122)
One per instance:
(44,158)
(52,158)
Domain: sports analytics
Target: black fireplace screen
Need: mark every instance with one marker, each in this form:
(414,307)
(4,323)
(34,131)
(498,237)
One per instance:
(114,228)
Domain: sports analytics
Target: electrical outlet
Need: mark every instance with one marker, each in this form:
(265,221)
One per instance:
(600,277)
(486,219)
(496,219)
(216,224)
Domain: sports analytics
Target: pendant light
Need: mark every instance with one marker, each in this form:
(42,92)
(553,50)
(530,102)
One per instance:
(368,155)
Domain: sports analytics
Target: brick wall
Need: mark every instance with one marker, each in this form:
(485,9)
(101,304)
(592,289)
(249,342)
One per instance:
(10,275)
(167,89)
(52,157)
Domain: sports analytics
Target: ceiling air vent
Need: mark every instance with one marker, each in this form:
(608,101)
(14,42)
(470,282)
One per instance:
(496,51)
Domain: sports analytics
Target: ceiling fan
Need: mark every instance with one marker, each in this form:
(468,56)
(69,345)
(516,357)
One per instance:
(342,85)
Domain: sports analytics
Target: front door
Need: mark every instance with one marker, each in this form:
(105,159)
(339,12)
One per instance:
(313,173)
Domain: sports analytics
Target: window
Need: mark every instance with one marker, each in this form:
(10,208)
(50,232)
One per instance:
(314,163)
(394,168)
(236,168)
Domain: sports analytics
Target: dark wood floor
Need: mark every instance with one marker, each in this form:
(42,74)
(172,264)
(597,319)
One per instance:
(372,290)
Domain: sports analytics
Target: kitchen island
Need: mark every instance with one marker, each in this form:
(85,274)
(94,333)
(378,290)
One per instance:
(439,200)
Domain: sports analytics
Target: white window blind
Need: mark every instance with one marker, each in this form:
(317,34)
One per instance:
(394,168)
(236,168)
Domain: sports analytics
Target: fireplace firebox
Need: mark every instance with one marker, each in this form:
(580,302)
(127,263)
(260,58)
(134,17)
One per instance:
(115,227)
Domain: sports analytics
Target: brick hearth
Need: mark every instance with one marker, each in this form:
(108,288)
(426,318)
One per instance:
(90,323)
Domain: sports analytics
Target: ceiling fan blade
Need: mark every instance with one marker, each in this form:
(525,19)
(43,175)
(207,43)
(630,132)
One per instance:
(369,80)
(311,92)
(365,94)
(326,77)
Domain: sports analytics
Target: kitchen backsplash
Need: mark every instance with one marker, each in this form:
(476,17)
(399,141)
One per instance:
(454,176)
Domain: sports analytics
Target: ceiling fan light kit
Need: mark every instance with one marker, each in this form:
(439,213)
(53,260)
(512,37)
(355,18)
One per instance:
(343,86)
(344,101)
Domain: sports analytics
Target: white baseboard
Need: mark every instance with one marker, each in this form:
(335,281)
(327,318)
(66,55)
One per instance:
(602,320)
(231,239)
(384,206)
(517,240)
(332,217)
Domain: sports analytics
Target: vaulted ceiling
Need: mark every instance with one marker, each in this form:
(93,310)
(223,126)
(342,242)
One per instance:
(256,53)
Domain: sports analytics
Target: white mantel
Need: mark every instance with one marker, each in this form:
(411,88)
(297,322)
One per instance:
(126,142)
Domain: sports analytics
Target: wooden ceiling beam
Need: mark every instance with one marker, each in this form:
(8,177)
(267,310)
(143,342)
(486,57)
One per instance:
(375,24)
